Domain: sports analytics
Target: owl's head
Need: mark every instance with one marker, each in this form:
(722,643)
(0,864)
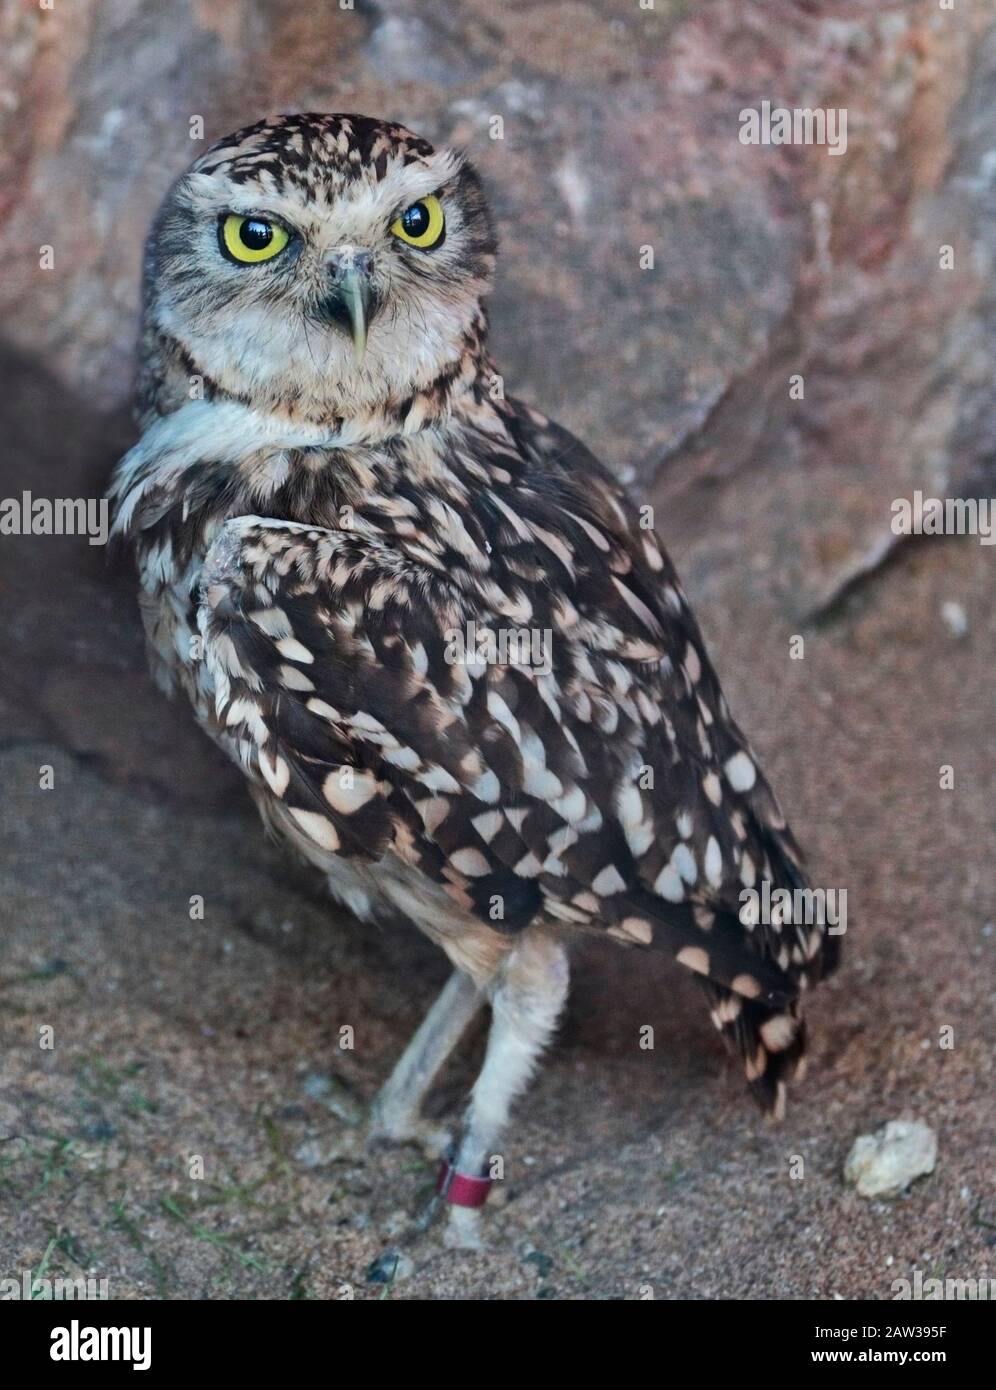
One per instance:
(321,265)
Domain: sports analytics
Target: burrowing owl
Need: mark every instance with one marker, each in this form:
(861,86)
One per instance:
(458,674)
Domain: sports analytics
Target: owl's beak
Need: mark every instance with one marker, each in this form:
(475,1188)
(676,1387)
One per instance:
(352,299)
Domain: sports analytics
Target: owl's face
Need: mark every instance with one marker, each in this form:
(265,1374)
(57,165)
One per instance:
(322,265)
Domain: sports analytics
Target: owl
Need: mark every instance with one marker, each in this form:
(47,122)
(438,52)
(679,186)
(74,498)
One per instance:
(459,675)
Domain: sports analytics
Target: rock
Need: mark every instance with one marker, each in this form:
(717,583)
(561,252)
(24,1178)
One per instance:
(542,1263)
(767,265)
(884,1164)
(955,618)
(310,1153)
(390,1268)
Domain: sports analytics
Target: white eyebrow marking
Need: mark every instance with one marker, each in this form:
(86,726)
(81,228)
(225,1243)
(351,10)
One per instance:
(404,184)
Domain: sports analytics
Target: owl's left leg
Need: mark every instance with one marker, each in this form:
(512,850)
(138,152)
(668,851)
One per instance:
(527,995)
(395,1111)
(394,1115)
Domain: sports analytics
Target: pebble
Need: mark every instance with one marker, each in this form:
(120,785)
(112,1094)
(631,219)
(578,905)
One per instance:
(885,1163)
(390,1267)
(955,618)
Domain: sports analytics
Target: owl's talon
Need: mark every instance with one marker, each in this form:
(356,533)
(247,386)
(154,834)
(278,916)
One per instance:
(464,1230)
(429,1214)
(350,1145)
(433,1139)
(355,1143)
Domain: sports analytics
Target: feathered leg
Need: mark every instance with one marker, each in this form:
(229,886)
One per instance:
(395,1111)
(527,996)
(393,1115)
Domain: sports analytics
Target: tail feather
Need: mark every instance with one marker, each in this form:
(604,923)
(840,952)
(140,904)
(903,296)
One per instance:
(770,1042)
(712,943)
(753,974)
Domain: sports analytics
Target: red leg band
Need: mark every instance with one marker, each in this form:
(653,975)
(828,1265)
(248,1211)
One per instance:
(462,1189)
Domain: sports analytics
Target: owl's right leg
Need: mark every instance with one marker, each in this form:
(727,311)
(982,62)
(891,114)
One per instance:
(527,996)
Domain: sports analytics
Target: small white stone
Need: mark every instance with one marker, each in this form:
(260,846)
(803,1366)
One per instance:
(955,618)
(885,1163)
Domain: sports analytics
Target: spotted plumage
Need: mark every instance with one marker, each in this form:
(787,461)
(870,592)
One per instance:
(335,510)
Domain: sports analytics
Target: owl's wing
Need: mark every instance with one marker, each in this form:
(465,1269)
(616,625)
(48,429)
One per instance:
(596,792)
(721,788)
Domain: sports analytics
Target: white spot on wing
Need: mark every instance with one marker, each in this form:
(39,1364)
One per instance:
(713,862)
(276,772)
(608,881)
(684,861)
(740,772)
(347,799)
(470,862)
(294,650)
(317,828)
(668,884)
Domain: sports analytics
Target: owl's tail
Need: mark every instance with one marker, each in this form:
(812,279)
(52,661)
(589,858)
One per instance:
(770,1042)
(754,999)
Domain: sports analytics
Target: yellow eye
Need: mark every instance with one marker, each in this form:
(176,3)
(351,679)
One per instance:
(251,239)
(422,225)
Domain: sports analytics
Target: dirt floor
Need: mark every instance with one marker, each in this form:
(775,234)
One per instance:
(219,1038)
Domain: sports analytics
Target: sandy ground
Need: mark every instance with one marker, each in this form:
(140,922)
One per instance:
(219,1038)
